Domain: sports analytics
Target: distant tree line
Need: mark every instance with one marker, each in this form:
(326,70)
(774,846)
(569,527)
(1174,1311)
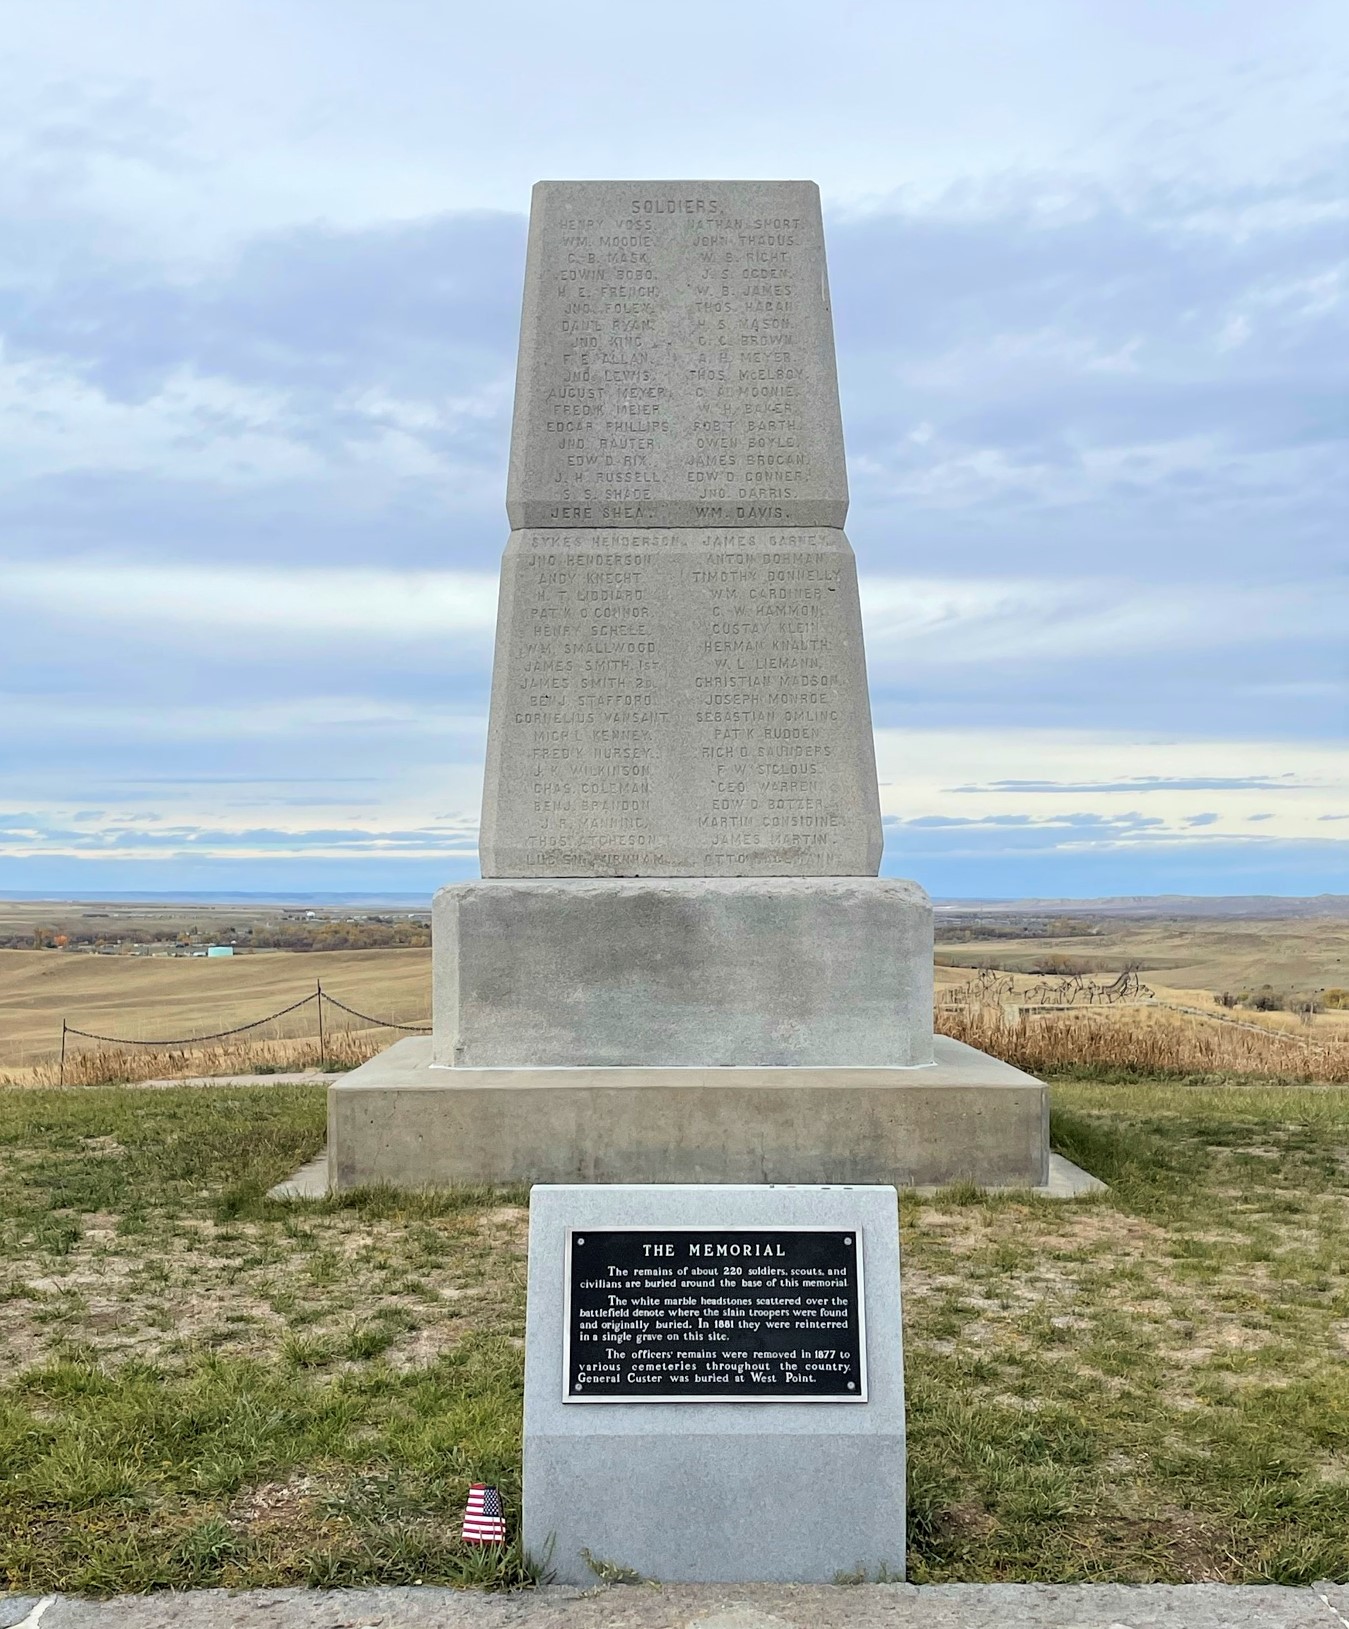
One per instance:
(321,933)
(372,933)
(963,930)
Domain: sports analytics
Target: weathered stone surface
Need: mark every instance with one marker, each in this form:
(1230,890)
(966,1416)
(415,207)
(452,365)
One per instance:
(718,972)
(967,1117)
(676,358)
(680,703)
(724,1491)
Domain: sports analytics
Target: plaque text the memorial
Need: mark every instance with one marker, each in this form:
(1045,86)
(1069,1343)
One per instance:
(707,1314)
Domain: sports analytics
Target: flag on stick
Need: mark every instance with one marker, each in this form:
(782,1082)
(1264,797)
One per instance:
(483,1520)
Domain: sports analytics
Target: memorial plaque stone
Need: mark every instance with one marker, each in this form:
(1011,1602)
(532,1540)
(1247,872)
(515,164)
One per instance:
(696,1314)
(714,1382)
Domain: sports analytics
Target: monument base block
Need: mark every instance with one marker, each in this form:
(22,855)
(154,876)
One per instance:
(673,971)
(403,1121)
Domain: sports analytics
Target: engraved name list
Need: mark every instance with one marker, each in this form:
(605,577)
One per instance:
(681,362)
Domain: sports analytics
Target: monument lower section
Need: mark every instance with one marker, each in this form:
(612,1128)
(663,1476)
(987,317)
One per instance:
(669,972)
(402,1121)
(680,702)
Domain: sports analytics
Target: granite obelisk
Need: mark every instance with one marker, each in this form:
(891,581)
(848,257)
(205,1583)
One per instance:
(679,689)
(680,963)
(679,686)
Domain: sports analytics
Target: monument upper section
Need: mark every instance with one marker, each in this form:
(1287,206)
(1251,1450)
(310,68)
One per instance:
(676,359)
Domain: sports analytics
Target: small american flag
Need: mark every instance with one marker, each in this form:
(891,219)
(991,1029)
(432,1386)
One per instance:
(483,1520)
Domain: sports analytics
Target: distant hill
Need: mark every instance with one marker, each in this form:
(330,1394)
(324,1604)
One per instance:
(225,897)
(1267,906)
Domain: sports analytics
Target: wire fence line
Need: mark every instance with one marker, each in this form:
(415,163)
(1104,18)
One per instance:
(989,987)
(1237,1023)
(380,1023)
(318,999)
(194,1040)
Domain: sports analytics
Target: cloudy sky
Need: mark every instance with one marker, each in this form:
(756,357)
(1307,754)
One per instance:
(260,271)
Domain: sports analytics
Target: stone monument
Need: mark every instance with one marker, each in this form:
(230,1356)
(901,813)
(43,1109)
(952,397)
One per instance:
(680,963)
(714,1383)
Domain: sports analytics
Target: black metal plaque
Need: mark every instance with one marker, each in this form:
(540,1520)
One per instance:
(694,1315)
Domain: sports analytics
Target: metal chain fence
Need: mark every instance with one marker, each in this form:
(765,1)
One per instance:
(318,999)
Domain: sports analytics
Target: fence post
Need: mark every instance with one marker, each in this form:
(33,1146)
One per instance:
(63,1051)
(318,996)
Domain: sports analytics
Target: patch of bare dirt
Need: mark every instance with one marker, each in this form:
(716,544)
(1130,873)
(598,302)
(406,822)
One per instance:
(150,1295)
(278,1509)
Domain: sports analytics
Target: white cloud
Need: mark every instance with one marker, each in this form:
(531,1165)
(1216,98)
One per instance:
(915,622)
(260,294)
(52,420)
(223,719)
(427,808)
(207,426)
(956,774)
(204,121)
(304,604)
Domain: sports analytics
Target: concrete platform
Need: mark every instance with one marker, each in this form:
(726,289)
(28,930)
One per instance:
(1066,1181)
(403,1121)
(309,1182)
(1069,1181)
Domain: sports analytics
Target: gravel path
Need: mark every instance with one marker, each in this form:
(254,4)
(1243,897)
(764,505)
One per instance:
(286,1077)
(703,1606)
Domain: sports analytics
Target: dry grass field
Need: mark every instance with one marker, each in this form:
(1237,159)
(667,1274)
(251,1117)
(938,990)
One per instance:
(1178,1025)
(1186,963)
(1147,1042)
(1191,954)
(21,917)
(144,997)
(203,1386)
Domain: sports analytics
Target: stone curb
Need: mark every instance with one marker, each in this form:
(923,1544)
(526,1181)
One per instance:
(707,1606)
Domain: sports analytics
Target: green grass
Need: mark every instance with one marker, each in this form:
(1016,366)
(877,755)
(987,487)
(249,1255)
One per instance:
(213,1388)
(204,1387)
(1149,1386)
